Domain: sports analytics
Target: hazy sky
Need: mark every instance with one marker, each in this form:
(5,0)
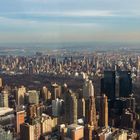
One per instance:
(69,20)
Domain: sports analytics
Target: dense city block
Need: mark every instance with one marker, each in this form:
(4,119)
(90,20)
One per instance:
(90,96)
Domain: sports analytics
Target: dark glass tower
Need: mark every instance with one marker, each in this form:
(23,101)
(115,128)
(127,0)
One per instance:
(108,84)
(125,83)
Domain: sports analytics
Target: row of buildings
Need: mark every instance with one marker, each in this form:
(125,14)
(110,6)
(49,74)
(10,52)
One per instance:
(57,112)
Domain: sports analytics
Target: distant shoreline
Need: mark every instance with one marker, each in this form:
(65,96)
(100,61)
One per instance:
(26,49)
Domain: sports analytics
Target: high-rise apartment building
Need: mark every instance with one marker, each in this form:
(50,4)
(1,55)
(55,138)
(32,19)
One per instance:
(20,95)
(73,109)
(45,94)
(88,89)
(55,91)
(57,107)
(20,119)
(30,132)
(90,112)
(46,124)
(104,111)
(4,99)
(33,97)
(81,108)
(70,108)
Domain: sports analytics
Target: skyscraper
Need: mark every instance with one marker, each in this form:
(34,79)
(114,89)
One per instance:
(46,124)
(88,132)
(81,108)
(57,107)
(1,84)
(19,120)
(4,99)
(45,94)
(90,112)
(73,109)
(20,95)
(125,83)
(138,67)
(31,70)
(108,84)
(30,132)
(34,111)
(90,115)
(55,91)
(70,103)
(33,97)
(104,111)
(67,105)
(88,89)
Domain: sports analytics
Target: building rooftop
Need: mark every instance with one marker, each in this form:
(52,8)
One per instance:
(5,110)
(75,126)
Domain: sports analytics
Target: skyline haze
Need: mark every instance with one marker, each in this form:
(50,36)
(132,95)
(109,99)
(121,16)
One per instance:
(47,21)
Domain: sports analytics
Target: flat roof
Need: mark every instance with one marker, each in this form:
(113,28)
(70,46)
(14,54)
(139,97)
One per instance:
(4,110)
(75,126)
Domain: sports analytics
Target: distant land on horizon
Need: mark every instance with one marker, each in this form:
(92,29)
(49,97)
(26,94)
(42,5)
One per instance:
(32,48)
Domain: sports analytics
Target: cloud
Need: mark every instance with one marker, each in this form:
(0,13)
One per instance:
(78,13)
(91,13)
(86,13)
(5,20)
(67,23)
(45,25)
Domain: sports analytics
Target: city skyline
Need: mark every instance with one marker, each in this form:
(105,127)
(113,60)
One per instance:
(36,21)
(69,70)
